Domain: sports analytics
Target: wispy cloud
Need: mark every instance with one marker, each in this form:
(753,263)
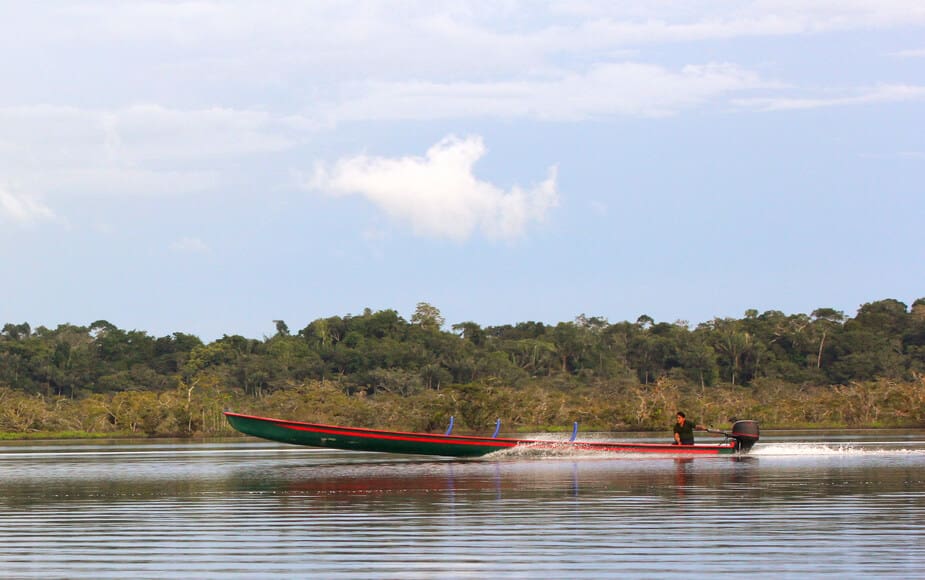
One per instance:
(140,133)
(911,53)
(438,194)
(598,208)
(140,149)
(209,52)
(426,36)
(633,89)
(709,20)
(190,245)
(881,94)
(23,209)
(191,88)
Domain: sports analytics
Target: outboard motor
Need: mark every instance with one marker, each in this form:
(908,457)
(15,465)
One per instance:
(745,433)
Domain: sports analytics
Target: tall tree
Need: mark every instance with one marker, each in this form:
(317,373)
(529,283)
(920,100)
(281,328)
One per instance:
(282,329)
(826,320)
(427,317)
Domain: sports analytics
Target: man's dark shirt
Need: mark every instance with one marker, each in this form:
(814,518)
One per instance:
(686,432)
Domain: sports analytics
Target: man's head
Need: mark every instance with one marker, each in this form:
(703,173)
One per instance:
(680,417)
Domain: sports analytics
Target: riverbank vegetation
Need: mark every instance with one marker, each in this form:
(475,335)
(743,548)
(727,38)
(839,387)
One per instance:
(377,369)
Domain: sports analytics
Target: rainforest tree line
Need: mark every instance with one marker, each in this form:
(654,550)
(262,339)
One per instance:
(74,369)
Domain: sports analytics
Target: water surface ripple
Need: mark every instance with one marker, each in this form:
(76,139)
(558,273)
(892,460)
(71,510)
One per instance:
(843,506)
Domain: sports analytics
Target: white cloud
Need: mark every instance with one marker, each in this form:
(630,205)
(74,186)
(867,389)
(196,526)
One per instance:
(23,209)
(438,194)
(877,95)
(190,246)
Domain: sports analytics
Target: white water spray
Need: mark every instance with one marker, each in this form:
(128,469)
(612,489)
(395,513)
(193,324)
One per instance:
(830,449)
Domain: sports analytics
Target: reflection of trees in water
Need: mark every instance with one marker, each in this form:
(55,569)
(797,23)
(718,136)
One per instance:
(385,481)
(339,478)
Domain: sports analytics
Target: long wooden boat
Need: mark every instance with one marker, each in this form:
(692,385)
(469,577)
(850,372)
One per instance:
(744,434)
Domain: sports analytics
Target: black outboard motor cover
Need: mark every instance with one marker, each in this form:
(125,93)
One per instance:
(745,433)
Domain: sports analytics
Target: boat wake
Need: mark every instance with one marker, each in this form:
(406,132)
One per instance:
(809,449)
(833,449)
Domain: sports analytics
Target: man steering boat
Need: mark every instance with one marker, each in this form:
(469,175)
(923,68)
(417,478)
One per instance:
(684,430)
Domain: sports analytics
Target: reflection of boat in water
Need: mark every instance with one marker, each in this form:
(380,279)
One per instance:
(408,479)
(744,434)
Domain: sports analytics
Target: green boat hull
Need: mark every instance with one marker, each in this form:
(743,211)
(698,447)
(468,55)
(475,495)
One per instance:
(357,439)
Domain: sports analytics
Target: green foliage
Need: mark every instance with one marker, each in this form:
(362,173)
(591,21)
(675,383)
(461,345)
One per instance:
(103,378)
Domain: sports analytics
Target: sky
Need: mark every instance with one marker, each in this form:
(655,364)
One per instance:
(211,167)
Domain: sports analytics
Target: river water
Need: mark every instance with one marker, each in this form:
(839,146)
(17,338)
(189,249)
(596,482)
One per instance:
(846,504)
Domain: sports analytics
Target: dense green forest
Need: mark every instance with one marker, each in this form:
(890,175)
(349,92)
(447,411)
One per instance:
(379,369)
